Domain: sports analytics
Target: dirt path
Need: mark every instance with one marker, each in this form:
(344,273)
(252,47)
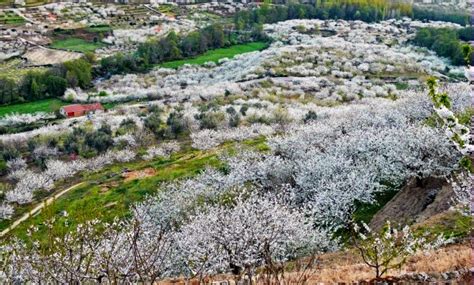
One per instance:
(38,208)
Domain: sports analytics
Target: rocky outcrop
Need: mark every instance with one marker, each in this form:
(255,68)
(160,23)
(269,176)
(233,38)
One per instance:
(417,201)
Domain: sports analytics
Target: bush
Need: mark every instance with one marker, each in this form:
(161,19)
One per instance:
(154,124)
(234,120)
(103,94)
(231,111)
(88,142)
(126,126)
(8,91)
(3,166)
(8,152)
(100,140)
(243,109)
(71,145)
(176,124)
(211,120)
(254,119)
(310,116)
(466,34)
(280,116)
(78,73)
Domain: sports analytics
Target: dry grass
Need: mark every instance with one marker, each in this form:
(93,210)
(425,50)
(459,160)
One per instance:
(346,267)
(451,258)
(341,267)
(43,56)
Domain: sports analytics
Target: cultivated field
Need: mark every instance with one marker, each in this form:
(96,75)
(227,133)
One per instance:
(216,55)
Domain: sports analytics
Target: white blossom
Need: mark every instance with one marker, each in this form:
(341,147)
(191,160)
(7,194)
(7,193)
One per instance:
(6,211)
(164,150)
(16,164)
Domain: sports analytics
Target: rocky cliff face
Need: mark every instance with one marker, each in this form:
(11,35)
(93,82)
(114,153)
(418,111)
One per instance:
(417,201)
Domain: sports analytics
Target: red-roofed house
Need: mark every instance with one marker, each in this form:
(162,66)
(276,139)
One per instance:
(78,110)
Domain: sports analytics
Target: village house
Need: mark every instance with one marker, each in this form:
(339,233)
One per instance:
(77,110)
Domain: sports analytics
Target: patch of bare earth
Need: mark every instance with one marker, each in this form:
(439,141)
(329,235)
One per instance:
(106,187)
(138,174)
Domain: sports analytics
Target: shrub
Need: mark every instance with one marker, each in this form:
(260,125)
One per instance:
(153,123)
(176,124)
(211,120)
(99,140)
(243,109)
(103,94)
(390,247)
(8,152)
(310,116)
(3,166)
(234,120)
(126,126)
(78,73)
(280,116)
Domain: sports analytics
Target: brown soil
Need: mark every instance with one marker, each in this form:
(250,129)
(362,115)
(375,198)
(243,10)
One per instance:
(417,201)
(138,174)
(104,188)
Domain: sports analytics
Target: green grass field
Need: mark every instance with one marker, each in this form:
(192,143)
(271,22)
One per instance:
(106,195)
(99,29)
(168,9)
(47,105)
(34,3)
(14,69)
(215,55)
(75,44)
(10,18)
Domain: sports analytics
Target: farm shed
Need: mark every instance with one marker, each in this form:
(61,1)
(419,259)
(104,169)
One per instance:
(77,110)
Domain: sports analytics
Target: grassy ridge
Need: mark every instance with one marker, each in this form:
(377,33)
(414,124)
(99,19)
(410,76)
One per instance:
(216,54)
(46,105)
